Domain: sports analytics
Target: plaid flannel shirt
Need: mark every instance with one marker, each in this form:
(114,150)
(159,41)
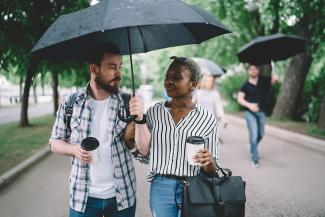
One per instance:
(81,121)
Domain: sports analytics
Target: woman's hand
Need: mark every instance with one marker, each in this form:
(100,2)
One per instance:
(137,107)
(206,161)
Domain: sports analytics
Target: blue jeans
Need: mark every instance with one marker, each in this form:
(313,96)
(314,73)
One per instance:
(96,207)
(255,123)
(165,197)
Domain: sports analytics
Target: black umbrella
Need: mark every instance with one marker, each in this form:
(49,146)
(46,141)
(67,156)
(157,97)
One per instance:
(135,26)
(274,47)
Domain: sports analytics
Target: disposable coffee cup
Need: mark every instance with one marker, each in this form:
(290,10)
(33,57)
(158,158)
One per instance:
(193,145)
(91,144)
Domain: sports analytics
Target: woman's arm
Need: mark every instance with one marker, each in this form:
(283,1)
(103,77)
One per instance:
(142,133)
(142,138)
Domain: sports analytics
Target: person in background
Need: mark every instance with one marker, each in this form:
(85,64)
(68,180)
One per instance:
(209,98)
(253,97)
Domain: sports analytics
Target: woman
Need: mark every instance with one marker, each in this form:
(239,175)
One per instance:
(209,98)
(169,123)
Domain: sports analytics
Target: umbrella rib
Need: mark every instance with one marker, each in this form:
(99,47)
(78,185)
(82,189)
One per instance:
(143,40)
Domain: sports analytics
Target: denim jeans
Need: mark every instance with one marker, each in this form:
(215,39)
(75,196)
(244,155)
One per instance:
(99,207)
(165,197)
(255,123)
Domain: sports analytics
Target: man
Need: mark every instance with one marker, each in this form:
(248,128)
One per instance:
(253,96)
(105,187)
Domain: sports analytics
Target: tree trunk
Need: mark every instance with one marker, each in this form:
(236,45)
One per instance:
(35,93)
(42,84)
(55,84)
(32,66)
(321,120)
(292,86)
(265,70)
(21,88)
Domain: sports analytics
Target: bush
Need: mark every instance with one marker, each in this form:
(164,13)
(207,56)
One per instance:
(229,87)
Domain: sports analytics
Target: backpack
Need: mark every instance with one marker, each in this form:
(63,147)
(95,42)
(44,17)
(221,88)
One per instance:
(69,110)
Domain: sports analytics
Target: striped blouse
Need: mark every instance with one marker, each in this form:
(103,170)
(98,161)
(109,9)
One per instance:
(168,141)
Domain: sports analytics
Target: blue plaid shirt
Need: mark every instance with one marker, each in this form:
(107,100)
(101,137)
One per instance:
(81,122)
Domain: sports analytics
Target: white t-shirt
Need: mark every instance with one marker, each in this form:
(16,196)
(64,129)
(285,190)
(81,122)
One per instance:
(102,182)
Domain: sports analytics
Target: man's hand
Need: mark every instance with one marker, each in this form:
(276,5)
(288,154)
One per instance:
(253,107)
(84,156)
(206,160)
(137,107)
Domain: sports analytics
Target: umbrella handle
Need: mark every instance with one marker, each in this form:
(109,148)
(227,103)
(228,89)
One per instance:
(128,119)
(125,116)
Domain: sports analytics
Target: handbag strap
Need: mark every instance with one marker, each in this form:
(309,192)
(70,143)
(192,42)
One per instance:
(225,171)
(220,208)
(186,203)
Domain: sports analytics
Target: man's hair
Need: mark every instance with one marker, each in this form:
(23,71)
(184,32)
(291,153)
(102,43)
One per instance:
(190,64)
(96,52)
(251,64)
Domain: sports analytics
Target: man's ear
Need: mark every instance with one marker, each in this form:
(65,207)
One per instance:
(93,68)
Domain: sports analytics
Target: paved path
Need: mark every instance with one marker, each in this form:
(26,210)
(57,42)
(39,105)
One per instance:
(290,182)
(12,113)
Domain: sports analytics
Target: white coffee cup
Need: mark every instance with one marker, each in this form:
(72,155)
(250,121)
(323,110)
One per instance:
(91,144)
(94,155)
(193,145)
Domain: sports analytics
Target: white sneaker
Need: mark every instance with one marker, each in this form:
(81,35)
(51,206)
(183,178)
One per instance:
(255,164)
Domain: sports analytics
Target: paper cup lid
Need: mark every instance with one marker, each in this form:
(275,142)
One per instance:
(89,143)
(195,140)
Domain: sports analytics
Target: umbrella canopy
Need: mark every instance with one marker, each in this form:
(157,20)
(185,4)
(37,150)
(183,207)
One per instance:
(135,26)
(274,47)
(151,25)
(208,67)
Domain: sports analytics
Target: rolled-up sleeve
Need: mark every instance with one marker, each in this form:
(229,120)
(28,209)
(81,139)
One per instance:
(60,130)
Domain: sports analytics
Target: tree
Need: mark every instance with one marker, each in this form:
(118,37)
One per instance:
(304,18)
(31,18)
(310,16)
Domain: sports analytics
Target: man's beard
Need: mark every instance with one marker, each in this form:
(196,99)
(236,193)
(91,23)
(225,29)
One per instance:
(106,86)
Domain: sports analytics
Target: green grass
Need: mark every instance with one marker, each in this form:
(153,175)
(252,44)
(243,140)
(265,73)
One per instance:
(309,129)
(17,144)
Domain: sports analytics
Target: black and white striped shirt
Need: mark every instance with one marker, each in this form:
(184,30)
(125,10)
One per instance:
(168,141)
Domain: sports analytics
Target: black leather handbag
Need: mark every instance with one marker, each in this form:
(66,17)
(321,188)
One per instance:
(214,196)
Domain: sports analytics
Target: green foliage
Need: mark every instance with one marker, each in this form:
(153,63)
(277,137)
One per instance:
(231,85)
(314,89)
(22,24)
(126,71)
